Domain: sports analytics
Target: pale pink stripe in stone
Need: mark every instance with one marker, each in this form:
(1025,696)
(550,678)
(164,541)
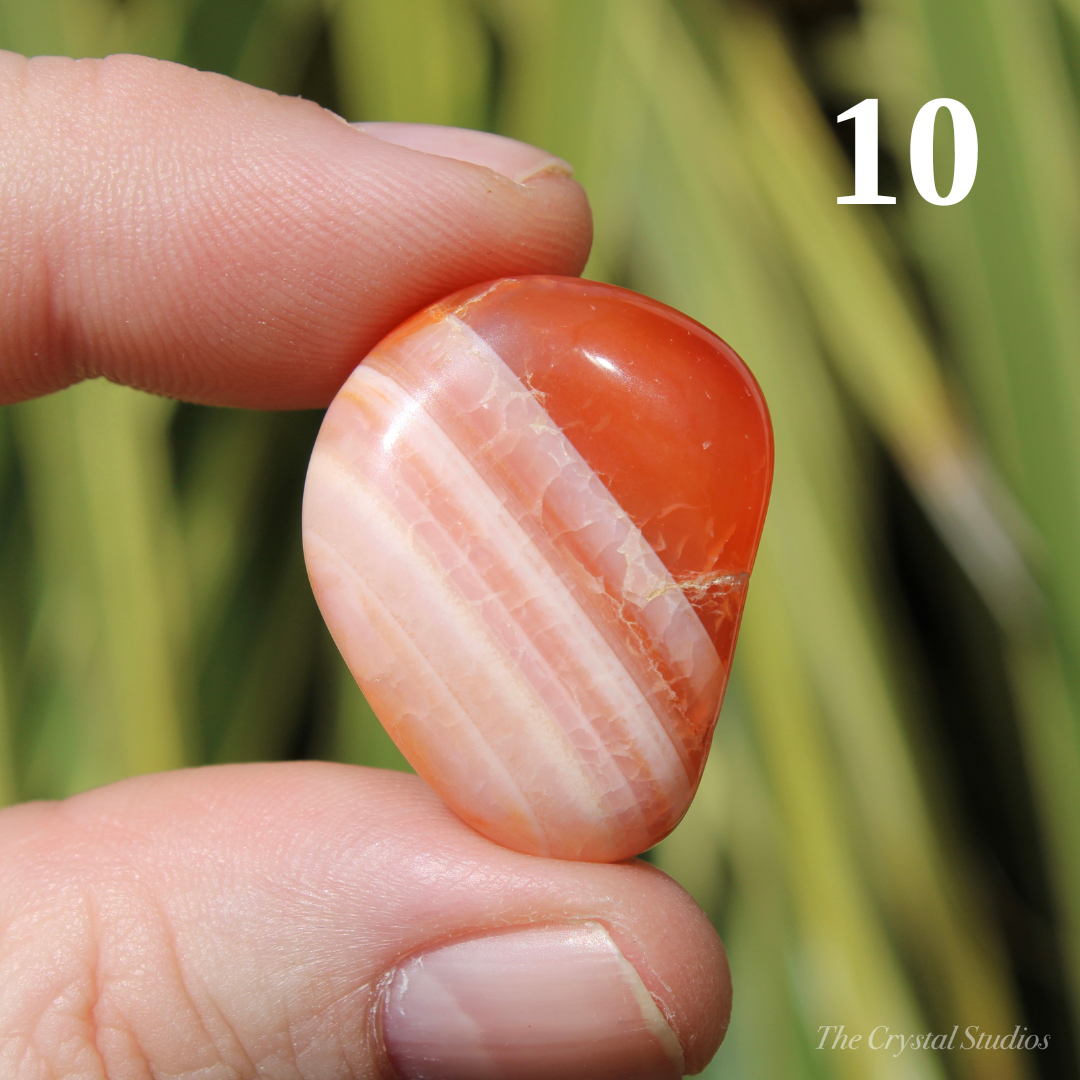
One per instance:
(458,620)
(557,497)
(392,666)
(475,633)
(440,654)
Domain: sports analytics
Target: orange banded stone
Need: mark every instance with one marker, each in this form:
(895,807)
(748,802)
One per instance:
(529,520)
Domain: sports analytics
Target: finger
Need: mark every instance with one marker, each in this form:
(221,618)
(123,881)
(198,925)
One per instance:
(193,236)
(335,921)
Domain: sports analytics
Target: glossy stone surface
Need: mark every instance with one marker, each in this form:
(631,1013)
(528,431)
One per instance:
(529,521)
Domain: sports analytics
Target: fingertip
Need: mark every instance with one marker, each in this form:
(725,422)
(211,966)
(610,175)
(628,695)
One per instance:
(681,961)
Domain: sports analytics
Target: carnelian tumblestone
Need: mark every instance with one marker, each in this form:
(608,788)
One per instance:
(529,520)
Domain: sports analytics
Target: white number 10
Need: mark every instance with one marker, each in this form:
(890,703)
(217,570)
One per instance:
(965,152)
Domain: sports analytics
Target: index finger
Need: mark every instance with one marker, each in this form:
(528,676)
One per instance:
(196,237)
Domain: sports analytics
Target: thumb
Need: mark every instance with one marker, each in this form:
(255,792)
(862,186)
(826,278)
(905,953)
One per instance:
(193,236)
(312,921)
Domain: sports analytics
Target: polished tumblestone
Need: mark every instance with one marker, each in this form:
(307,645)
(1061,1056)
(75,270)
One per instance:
(529,520)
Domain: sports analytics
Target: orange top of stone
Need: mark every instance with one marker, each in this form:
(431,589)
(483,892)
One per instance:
(666,413)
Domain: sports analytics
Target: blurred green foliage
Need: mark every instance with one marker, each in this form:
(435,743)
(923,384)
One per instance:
(889,827)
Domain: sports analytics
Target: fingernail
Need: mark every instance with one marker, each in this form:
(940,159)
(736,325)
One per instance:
(517,160)
(549,1001)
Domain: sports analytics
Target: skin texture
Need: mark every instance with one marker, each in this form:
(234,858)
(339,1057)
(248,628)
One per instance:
(222,919)
(186,234)
(193,236)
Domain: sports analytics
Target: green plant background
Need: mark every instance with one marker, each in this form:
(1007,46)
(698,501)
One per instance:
(889,827)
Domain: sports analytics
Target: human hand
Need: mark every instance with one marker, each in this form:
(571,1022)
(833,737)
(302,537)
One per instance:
(195,237)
